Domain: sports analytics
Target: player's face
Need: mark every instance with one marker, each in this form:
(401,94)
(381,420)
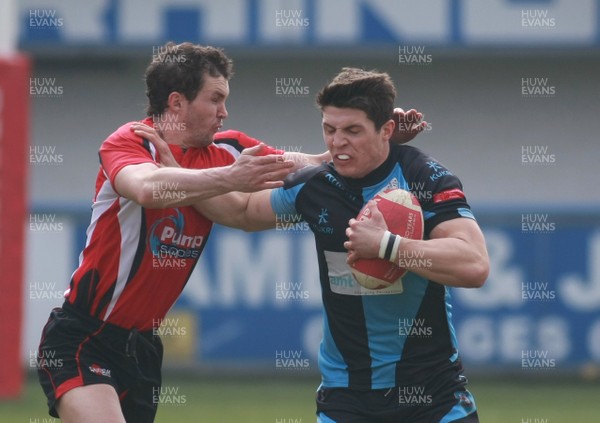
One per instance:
(204,115)
(356,147)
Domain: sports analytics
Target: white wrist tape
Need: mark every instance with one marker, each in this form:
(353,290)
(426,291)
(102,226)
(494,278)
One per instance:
(388,246)
(383,244)
(395,249)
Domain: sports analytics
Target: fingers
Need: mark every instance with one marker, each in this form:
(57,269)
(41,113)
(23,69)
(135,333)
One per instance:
(377,218)
(257,150)
(271,181)
(260,172)
(412,116)
(140,125)
(268,164)
(271,185)
(372,204)
(276,175)
(408,125)
(274,164)
(141,129)
(410,121)
(352,257)
(150,134)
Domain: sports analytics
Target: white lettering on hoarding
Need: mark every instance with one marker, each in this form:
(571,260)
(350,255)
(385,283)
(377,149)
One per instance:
(429,21)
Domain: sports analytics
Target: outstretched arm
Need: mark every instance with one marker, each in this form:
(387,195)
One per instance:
(160,187)
(247,211)
(156,186)
(455,254)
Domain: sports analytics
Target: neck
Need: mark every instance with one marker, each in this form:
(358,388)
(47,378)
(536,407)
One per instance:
(166,126)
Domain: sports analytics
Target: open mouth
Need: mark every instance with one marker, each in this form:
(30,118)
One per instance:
(342,157)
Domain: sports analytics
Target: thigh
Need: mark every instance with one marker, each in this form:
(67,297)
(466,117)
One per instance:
(91,404)
(65,360)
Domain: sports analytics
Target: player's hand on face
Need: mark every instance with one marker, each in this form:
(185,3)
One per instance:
(149,133)
(365,235)
(408,125)
(254,172)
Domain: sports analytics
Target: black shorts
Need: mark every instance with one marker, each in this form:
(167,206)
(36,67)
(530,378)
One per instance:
(77,350)
(414,404)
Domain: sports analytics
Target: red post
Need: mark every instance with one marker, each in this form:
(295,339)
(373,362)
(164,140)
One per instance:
(14,148)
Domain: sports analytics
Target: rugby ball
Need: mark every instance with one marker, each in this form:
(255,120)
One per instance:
(403,216)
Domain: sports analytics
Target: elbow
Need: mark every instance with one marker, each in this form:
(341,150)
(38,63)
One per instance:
(146,197)
(478,273)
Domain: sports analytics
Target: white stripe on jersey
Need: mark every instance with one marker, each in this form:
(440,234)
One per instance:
(104,199)
(130,222)
(230,149)
(152,150)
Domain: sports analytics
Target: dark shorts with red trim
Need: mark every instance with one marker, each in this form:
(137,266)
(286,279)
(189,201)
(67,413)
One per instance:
(77,350)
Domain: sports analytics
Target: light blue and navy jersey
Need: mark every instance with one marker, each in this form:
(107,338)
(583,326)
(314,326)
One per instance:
(375,339)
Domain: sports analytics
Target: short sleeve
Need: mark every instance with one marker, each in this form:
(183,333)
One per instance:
(123,148)
(283,201)
(439,191)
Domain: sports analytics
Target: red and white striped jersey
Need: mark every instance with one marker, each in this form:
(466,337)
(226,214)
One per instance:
(136,260)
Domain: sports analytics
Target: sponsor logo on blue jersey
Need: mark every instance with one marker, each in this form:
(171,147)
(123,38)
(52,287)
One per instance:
(438,169)
(321,226)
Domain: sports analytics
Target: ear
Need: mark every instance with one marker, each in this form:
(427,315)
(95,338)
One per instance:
(176,101)
(387,129)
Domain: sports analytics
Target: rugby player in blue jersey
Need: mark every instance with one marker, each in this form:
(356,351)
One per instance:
(386,355)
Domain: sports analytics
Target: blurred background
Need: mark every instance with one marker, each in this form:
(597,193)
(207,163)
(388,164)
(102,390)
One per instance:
(511,93)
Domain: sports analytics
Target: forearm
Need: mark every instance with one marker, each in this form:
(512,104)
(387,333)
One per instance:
(175,187)
(246,211)
(154,187)
(449,261)
(455,253)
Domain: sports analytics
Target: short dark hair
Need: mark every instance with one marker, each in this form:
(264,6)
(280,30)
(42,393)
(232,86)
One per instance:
(370,91)
(181,68)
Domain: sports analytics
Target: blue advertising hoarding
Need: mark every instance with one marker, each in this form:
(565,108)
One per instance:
(309,23)
(257,296)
